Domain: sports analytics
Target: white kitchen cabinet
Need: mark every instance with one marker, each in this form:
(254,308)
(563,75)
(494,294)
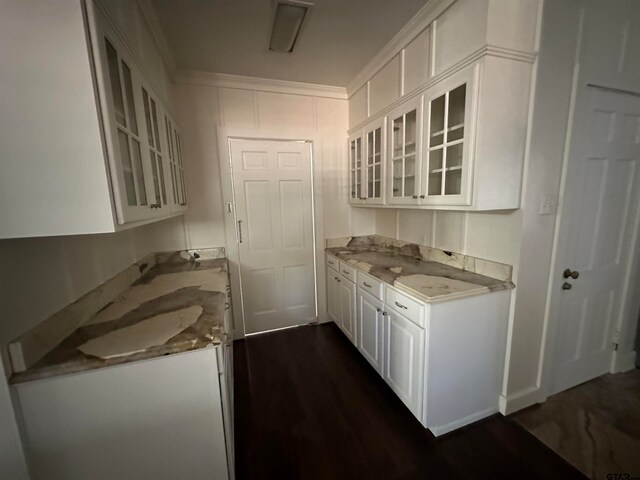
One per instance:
(475,89)
(404,359)
(356,196)
(176,166)
(444,360)
(370,328)
(157,418)
(93,157)
(375,162)
(341,297)
(348,308)
(333,296)
(449,128)
(367,159)
(405,153)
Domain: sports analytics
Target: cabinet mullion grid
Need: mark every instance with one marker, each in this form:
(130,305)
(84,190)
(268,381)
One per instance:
(445,138)
(172,167)
(122,91)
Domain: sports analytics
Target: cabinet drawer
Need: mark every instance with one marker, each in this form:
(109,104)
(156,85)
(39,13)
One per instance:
(405,305)
(333,262)
(348,271)
(370,284)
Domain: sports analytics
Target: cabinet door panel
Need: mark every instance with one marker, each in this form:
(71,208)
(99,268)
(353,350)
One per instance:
(449,114)
(375,159)
(405,153)
(404,360)
(357,193)
(348,309)
(370,329)
(118,79)
(333,296)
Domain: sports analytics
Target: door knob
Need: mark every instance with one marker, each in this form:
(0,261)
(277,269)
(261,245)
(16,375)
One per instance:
(566,286)
(573,274)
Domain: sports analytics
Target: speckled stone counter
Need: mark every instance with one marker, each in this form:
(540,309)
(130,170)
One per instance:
(406,267)
(177,283)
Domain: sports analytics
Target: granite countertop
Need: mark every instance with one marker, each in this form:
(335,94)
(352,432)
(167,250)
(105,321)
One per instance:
(426,280)
(177,306)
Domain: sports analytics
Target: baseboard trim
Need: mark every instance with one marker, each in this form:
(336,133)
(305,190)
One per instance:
(474,417)
(623,362)
(519,400)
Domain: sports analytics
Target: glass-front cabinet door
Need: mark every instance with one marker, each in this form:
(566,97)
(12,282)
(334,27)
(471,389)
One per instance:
(375,159)
(356,189)
(449,117)
(404,160)
(175,174)
(125,133)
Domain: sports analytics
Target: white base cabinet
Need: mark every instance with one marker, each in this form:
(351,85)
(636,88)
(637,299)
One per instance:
(444,360)
(163,418)
(341,300)
(370,328)
(404,360)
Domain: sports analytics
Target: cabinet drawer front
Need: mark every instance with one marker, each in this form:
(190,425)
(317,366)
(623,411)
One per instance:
(333,262)
(348,271)
(405,305)
(370,284)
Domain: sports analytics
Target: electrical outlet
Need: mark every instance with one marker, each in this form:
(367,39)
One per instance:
(547,205)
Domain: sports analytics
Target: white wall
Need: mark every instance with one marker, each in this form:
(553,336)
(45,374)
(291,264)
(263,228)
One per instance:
(491,235)
(202,108)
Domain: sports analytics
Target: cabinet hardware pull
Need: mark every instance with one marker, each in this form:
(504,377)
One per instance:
(345,272)
(401,306)
(240,231)
(337,279)
(384,314)
(415,196)
(421,196)
(566,286)
(378,310)
(366,284)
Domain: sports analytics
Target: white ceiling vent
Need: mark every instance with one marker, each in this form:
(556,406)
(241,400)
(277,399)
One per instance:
(287,22)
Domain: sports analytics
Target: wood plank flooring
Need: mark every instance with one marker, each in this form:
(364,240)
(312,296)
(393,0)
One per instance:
(308,406)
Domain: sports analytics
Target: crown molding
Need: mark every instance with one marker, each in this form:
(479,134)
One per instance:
(150,16)
(193,77)
(421,20)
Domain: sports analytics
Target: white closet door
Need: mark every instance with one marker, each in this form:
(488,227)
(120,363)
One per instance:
(272,191)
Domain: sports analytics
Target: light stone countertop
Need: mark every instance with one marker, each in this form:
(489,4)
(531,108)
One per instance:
(426,280)
(177,306)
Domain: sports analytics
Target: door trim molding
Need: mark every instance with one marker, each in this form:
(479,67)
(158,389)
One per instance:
(226,181)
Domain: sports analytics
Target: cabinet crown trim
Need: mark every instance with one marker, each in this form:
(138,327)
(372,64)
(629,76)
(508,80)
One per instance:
(194,77)
(421,20)
(486,50)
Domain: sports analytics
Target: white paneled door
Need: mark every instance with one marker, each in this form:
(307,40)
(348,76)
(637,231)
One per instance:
(596,233)
(274,221)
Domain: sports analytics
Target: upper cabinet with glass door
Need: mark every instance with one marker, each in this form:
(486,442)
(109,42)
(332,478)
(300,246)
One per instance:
(449,126)
(375,158)
(405,148)
(96,137)
(176,167)
(367,154)
(356,185)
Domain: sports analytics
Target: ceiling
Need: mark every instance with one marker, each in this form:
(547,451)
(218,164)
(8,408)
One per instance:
(338,37)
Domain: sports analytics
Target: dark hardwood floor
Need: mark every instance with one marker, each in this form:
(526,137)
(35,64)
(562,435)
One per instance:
(308,406)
